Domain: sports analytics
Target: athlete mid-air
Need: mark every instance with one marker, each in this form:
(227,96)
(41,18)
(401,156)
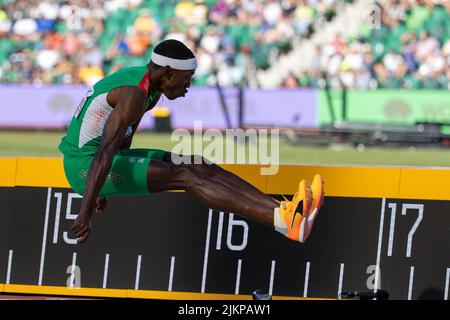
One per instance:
(98,161)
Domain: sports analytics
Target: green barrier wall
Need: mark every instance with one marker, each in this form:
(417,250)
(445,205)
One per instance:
(388,106)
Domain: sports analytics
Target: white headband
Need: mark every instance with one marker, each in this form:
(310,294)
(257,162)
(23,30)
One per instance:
(178,64)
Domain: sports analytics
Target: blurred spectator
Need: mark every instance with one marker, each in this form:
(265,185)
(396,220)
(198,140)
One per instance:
(48,57)
(205,66)
(290,82)
(192,12)
(25,27)
(426,46)
(5,22)
(218,12)
(184,10)
(147,26)
(137,43)
(72,15)
(211,40)
(144,23)
(272,12)
(71,44)
(176,33)
(91,55)
(304,17)
(90,74)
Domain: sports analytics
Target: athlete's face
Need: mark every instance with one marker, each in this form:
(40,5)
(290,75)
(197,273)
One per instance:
(176,83)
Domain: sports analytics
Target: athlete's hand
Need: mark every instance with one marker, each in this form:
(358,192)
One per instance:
(100,205)
(82,227)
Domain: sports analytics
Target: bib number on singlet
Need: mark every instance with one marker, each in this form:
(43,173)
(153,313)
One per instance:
(83,102)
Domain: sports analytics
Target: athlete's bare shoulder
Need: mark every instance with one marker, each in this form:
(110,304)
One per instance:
(128,102)
(126,94)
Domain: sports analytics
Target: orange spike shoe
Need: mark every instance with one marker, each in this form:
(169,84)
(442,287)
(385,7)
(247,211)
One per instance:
(289,216)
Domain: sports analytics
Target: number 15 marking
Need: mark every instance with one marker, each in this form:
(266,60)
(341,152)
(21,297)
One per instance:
(69,216)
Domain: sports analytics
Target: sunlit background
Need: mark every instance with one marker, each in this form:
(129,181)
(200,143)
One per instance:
(346,82)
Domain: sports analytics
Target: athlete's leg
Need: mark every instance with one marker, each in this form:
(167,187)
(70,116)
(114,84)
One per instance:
(163,176)
(211,170)
(227,178)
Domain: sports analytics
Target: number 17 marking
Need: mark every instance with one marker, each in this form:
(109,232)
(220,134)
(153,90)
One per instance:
(405,208)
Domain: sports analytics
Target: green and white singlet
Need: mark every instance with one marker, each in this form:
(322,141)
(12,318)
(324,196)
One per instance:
(128,174)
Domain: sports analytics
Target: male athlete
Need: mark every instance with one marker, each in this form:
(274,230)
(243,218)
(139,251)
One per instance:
(98,161)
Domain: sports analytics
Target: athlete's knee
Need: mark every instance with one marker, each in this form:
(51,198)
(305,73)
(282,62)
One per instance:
(198,160)
(188,176)
(204,166)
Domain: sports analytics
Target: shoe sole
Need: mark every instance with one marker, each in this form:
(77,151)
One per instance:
(305,203)
(318,196)
(306,209)
(318,192)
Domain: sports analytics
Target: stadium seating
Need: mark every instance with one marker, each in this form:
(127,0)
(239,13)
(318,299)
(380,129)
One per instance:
(410,50)
(123,32)
(80,41)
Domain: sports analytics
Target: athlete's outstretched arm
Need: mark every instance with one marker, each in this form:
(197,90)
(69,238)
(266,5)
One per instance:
(126,111)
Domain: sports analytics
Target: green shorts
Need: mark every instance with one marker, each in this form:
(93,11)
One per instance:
(128,174)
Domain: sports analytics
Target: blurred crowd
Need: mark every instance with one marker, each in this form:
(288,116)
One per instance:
(51,41)
(409,49)
(80,41)
(244,36)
